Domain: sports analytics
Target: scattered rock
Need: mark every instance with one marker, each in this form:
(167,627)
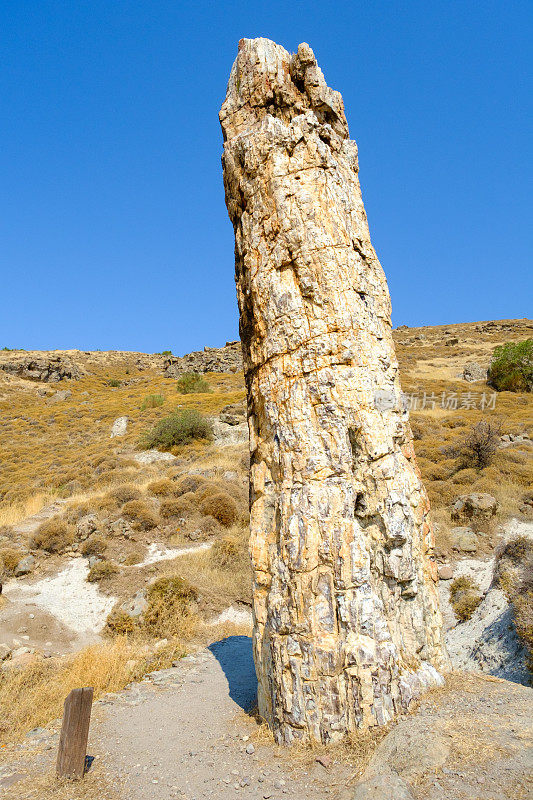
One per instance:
(445,572)
(210,359)
(387,785)
(136,606)
(463,539)
(152,457)
(476,506)
(86,526)
(120,427)
(25,565)
(58,397)
(5,652)
(40,367)
(226,435)
(474,372)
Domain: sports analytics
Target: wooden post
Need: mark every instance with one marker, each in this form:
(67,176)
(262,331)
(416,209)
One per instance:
(74,733)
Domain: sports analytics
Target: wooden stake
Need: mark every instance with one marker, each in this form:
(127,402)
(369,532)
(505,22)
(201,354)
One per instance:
(74,733)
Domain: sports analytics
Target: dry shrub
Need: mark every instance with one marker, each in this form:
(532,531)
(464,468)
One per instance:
(171,608)
(95,545)
(106,504)
(178,506)
(9,558)
(477,448)
(124,494)
(162,488)
(229,551)
(189,483)
(142,516)
(222,507)
(465,596)
(134,558)
(101,570)
(119,623)
(54,536)
(76,511)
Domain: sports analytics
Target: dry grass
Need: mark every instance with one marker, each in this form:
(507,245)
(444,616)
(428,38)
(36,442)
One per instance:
(32,696)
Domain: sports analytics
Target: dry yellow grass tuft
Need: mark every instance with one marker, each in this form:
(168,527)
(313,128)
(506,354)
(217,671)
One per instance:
(32,696)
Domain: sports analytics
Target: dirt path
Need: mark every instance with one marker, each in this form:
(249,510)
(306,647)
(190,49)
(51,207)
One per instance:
(183,733)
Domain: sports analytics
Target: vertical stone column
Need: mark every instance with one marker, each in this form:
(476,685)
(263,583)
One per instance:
(347,628)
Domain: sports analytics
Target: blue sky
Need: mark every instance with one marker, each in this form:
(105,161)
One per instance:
(113,228)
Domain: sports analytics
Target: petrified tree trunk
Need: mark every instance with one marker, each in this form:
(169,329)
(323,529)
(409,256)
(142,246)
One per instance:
(347,622)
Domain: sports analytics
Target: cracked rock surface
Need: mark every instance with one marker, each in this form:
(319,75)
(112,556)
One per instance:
(347,620)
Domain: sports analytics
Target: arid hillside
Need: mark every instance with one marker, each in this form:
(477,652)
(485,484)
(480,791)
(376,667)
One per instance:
(128,556)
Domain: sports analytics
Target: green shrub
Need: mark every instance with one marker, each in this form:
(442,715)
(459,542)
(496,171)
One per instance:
(101,570)
(192,383)
(152,401)
(511,369)
(113,382)
(181,427)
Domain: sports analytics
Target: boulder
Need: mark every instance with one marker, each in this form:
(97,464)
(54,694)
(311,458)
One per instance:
(5,652)
(445,572)
(476,506)
(473,372)
(464,539)
(386,785)
(25,565)
(86,526)
(120,427)
(58,397)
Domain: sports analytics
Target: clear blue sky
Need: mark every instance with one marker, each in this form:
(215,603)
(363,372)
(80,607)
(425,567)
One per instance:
(114,232)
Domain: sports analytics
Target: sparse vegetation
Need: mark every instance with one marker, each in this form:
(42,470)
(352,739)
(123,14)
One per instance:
(9,558)
(511,368)
(192,383)
(181,427)
(465,597)
(479,446)
(114,383)
(514,573)
(171,608)
(33,695)
(101,570)
(152,401)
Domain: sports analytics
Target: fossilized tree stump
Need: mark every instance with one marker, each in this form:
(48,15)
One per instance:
(347,623)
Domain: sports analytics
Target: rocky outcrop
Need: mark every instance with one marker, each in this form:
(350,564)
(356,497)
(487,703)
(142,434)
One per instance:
(210,359)
(347,628)
(47,367)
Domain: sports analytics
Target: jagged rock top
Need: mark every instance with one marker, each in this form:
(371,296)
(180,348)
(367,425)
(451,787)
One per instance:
(266,76)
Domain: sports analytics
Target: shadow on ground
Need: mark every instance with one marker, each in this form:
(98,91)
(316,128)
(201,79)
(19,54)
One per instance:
(234,655)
